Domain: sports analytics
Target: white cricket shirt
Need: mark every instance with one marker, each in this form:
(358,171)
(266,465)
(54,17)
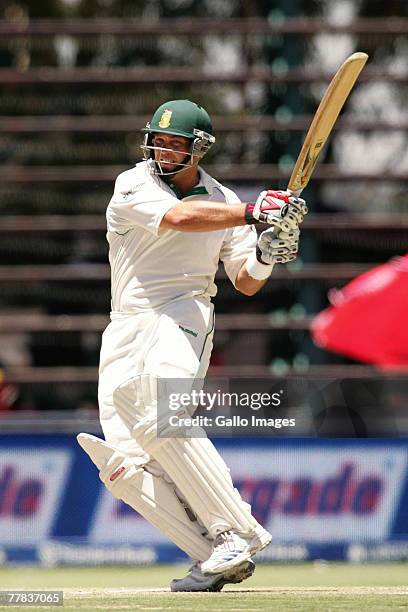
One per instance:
(151,267)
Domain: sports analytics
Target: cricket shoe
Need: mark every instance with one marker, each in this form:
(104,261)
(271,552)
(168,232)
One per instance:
(230,550)
(196,581)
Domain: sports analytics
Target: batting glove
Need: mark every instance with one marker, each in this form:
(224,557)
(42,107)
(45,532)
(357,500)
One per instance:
(295,215)
(268,208)
(273,205)
(277,247)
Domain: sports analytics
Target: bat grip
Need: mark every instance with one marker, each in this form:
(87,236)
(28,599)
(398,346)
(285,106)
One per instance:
(296,194)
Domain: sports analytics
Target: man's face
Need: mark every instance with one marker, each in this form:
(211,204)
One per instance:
(179,146)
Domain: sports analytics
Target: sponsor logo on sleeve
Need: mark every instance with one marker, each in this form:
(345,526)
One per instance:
(130,192)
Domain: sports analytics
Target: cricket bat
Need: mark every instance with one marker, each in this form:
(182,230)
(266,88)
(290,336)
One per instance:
(326,115)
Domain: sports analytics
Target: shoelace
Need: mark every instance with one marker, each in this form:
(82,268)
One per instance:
(224,540)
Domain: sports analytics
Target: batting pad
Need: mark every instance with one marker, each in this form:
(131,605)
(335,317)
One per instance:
(149,495)
(193,464)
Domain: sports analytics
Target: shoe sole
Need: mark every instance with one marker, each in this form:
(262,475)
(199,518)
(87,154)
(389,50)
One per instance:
(222,581)
(247,573)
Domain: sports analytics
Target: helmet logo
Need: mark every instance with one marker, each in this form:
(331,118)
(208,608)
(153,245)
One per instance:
(165,118)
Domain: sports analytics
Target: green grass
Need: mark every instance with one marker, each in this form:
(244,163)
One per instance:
(266,576)
(303,587)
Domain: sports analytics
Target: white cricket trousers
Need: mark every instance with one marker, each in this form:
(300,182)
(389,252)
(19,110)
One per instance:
(171,342)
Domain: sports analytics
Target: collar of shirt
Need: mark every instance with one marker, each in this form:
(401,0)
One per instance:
(203,187)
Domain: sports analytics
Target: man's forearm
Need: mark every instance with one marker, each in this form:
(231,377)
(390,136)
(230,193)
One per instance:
(203,216)
(246,284)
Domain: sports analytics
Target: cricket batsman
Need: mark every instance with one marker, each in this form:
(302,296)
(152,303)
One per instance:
(169,224)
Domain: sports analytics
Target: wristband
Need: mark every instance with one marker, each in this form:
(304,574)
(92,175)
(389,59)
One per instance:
(256,269)
(249,217)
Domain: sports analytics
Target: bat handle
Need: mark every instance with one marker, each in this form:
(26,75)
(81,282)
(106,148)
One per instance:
(296,194)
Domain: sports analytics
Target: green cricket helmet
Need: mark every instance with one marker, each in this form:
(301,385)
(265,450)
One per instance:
(180,118)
